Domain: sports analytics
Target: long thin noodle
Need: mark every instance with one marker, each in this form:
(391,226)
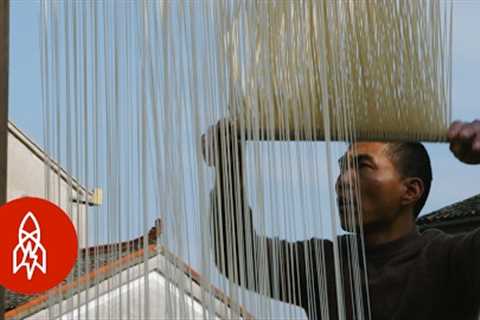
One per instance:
(128,90)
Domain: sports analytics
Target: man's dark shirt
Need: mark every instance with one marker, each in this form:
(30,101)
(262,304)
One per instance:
(429,275)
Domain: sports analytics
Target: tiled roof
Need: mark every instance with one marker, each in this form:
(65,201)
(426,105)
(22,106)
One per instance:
(460,211)
(89,260)
(106,263)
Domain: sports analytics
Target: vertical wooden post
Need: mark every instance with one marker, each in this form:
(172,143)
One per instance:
(4,52)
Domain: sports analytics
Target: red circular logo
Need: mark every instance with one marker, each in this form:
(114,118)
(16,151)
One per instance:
(38,247)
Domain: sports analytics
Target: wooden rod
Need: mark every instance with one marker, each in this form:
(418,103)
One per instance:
(317,135)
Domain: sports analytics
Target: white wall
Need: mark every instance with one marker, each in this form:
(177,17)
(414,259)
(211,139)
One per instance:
(26,177)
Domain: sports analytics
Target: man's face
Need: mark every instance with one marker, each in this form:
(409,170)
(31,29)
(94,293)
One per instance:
(367,172)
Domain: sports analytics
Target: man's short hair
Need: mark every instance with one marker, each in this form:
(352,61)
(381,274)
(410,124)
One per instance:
(412,160)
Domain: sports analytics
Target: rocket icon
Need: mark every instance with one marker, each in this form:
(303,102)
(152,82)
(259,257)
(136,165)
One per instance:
(29,252)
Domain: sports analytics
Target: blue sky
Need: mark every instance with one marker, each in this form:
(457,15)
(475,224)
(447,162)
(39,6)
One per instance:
(453,181)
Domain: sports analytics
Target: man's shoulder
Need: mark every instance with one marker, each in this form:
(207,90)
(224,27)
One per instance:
(440,235)
(342,240)
(327,245)
(432,234)
(443,241)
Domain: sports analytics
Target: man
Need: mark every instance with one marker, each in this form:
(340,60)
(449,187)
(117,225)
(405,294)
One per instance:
(410,275)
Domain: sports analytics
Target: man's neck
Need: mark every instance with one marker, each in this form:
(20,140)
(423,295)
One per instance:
(385,233)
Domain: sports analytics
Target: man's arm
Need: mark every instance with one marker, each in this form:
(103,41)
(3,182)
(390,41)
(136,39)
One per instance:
(269,266)
(464,253)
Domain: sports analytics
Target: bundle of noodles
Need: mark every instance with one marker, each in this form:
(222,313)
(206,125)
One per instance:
(306,69)
(129,88)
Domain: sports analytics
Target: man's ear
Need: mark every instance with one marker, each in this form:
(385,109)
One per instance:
(413,190)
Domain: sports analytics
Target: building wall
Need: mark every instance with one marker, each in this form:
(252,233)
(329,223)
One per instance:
(26,176)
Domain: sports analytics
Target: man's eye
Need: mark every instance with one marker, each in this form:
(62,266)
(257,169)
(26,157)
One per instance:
(363,164)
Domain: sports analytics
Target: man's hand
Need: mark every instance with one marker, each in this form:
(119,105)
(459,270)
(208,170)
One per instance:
(464,138)
(209,142)
(220,143)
